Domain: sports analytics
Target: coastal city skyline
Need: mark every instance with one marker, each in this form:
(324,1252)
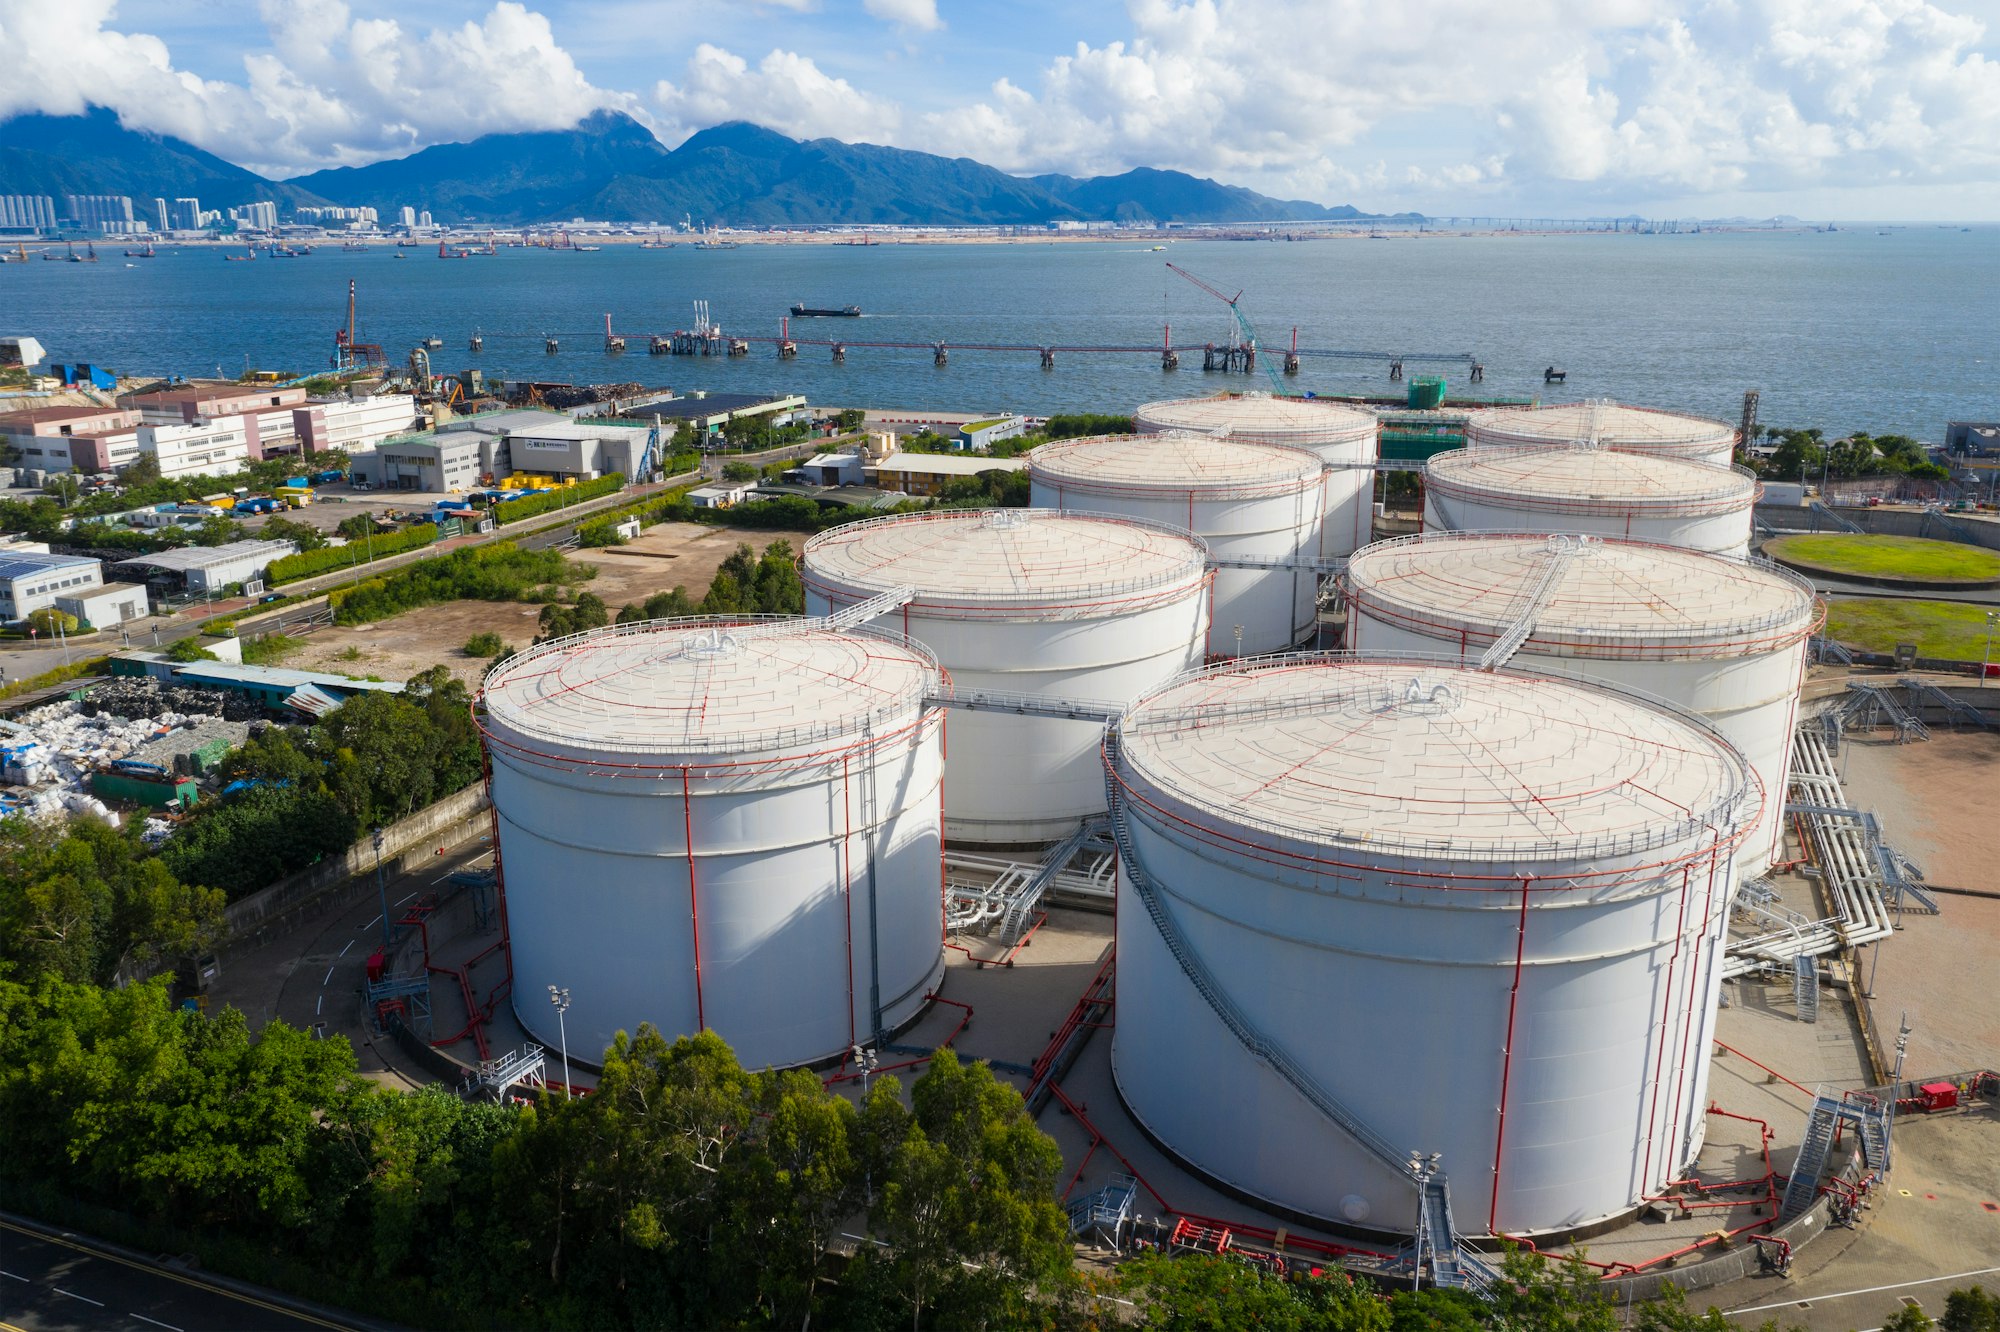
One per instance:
(1659,108)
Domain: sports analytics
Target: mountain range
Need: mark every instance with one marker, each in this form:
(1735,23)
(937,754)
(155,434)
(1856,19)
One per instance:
(609,166)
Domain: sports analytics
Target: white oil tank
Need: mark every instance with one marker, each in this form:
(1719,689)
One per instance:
(1341,437)
(1451,911)
(1260,502)
(1584,489)
(1609,425)
(727,826)
(1025,601)
(1720,637)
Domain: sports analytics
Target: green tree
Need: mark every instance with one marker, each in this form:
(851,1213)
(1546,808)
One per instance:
(483,644)
(851,418)
(189,649)
(674,604)
(586,613)
(969,1205)
(1971,1310)
(217,531)
(50,621)
(356,527)
(739,471)
(1200,1293)
(1909,1318)
(304,535)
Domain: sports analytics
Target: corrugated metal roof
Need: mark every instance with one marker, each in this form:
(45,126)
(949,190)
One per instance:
(34,562)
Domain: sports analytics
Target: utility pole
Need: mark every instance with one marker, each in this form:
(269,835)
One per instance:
(560,998)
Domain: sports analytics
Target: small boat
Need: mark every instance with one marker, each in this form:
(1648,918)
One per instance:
(401,255)
(716,245)
(803,311)
(353,245)
(146,253)
(586,249)
(445,252)
(656,245)
(434,342)
(243,258)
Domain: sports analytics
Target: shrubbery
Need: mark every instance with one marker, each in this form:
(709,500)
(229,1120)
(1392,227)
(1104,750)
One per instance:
(513,511)
(498,572)
(308,564)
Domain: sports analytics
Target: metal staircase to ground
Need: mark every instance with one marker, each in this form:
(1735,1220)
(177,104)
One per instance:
(1105,1213)
(1860,1112)
(1453,1264)
(1805,987)
(1843,524)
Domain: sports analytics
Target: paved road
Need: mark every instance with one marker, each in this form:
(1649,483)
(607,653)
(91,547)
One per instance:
(69,1284)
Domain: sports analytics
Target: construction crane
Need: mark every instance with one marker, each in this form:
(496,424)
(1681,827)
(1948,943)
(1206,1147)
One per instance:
(1248,334)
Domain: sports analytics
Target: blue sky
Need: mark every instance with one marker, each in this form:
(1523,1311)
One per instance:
(1818,108)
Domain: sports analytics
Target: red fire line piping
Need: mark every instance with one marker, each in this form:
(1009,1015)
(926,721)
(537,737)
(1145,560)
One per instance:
(694,902)
(1507,1056)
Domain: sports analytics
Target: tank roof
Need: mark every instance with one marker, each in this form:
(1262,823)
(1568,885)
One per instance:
(706,686)
(1557,476)
(1614,425)
(1611,598)
(1005,558)
(1260,416)
(1425,758)
(1175,461)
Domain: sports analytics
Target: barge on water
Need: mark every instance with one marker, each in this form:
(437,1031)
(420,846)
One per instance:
(801,310)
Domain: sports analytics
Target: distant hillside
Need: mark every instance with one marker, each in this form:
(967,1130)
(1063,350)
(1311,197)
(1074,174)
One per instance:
(610,166)
(94,154)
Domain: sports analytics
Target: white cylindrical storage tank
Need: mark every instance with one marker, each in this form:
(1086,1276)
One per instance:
(1720,637)
(1343,439)
(1669,501)
(1468,913)
(1609,425)
(1026,601)
(1246,500)
(727,826)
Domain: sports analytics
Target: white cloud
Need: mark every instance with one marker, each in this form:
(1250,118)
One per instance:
(921,15)
(1637,98)
(331,89)
(784,91)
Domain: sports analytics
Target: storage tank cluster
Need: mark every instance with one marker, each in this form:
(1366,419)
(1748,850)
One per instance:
(1475,910)
(1343,439)
(1368,868)
(1026,601)
(1610,425)
(735,827)
(1601,492)
(1247,501)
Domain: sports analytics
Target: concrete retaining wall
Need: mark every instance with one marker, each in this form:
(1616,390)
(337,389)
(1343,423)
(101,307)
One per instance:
(1884,522)
(405,846)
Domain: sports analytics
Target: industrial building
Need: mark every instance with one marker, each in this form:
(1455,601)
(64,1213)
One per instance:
(31,580)
(1719,637)
(925,474)
(717,826)
(208,569)
(1607,425)
(551,444)
(1259,505)
(277,688)
(1585,489)
(437,463)
(1025,602)
(1343,439)
(1320,977)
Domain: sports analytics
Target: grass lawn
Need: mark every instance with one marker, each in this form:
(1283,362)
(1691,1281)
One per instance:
(1948,630)
(1888,556)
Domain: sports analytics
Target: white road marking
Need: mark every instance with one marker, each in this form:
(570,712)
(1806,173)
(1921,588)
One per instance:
(350,944)
(317,1003)
(329,977)
(156,1322)
(373,923)
(1868,1290)
(73,1295)
(407,896)
(10,1274)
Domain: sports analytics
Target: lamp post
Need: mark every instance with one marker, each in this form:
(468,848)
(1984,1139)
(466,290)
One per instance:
(381,889)
(1422,1168)
(1986,657)
(560,998)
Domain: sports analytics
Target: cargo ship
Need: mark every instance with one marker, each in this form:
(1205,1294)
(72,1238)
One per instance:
(803,311)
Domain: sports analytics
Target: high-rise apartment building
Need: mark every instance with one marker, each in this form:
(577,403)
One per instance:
(186,215)
(99,212)
(22,212)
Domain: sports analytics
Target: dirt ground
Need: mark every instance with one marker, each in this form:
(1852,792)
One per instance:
(667,556)
(1939,969)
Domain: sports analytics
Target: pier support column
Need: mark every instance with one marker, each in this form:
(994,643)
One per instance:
(1048,359)
(939,356)
(839,354)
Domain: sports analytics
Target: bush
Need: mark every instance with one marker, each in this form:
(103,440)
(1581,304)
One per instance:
(484,645)
(599,532)
(189,649)
(513,511)
(739,471)
(50,621)
(498,572)
(270,648)
(308,564)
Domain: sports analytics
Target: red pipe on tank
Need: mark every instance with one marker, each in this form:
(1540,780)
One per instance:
(694,902)
(1507,1056)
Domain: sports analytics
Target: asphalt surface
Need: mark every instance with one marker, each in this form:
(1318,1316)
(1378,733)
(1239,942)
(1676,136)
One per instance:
(69,1284)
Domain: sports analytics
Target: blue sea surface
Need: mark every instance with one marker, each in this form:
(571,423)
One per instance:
(1889,329)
